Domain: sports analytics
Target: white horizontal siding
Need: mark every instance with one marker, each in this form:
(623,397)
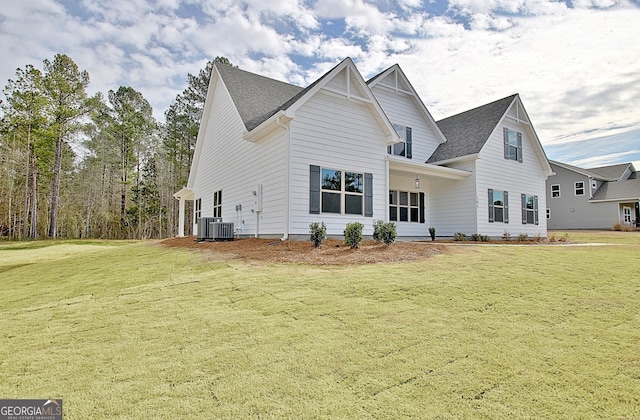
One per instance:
(335,133)
(235,166)
(452,204)
(402,109)
(498,173)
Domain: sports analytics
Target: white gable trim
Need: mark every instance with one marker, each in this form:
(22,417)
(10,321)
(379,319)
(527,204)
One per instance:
(398,75)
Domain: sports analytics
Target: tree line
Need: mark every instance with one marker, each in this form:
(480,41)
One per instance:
(101,166)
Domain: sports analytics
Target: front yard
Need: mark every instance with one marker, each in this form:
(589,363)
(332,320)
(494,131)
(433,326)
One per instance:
(139,330)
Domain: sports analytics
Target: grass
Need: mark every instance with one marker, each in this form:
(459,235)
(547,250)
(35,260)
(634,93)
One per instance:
(130,330)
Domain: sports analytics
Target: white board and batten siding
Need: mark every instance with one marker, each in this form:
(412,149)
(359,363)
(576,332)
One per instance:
(235,166)
(401,109)
(495,172)
(341,134)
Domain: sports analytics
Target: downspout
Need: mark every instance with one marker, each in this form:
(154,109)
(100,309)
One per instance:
(386,186)
(285,235)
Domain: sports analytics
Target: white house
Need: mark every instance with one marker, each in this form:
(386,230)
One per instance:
(273,158)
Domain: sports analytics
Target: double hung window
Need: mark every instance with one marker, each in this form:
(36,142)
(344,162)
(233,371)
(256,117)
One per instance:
(579,187)
(512,145)
(555,191)
(498,206)
(217,204)
(529,209)
(404,147)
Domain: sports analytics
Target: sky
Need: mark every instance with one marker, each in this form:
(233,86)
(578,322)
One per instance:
(575,63)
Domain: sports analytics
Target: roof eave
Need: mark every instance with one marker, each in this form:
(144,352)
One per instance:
(426,169)
(270,125)
(464,158)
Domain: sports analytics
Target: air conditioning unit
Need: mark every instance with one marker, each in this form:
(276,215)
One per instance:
(221,231)
(204,228)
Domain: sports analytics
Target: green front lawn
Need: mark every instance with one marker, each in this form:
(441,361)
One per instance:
(134,330)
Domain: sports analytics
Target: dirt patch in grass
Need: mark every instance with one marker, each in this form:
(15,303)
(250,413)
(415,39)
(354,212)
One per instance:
(332,252)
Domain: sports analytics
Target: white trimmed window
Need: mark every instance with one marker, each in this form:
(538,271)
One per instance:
(555,191)
(548,213)
(579,187)
(198,209)
(342,192)
(404,148)
(529,209)
(217,204)
(405,206)
(498,206)
(512,145)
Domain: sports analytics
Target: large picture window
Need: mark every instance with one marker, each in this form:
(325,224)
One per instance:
(405,206)
(529,209)
(404,147)
(512,145)
(498,206)
(342,192)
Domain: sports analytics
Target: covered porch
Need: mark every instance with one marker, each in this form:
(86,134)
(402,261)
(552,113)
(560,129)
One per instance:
(184,195)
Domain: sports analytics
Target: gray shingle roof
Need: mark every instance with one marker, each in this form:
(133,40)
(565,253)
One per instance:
(611,172)
(585,172)
(256,97)
(468,131)
(619,190)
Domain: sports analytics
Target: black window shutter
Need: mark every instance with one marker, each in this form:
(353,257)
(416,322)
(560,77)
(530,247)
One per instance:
(520,147)
(409,142)
(506,142)
(491,215)
(422,208)
(368,195)
(506,207)
(524,209)
(535,206)
(314,189)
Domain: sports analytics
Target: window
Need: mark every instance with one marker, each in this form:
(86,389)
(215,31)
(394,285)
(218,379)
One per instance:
(406,206)
(342,192)
(198,209)
(404,148)
(579,187)
(498,206)
(512,145)
(555,191)
(548,213)
(529,209)
(217,204)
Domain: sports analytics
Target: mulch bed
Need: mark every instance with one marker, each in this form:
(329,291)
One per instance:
(331,252)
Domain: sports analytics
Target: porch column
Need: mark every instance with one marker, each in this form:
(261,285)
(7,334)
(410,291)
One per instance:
(181,218)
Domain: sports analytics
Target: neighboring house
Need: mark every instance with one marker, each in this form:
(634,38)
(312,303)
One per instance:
(597,198)
(273,158)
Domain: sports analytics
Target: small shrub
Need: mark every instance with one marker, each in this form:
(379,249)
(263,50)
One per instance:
(552,237)
(538,238)
(432,233)
(522,237)
(384,232)
(317,233)
(617,227)
(376,229)
(506,236)
(564,238)
(458,236)
(476,237)
(353,234)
